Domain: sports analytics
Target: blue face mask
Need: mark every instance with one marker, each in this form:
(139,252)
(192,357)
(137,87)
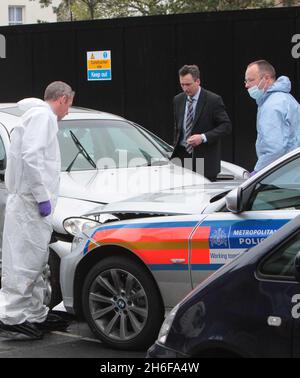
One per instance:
(255,92)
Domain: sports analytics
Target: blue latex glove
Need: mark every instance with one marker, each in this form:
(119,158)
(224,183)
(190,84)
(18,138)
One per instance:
(253,173)
(44,208)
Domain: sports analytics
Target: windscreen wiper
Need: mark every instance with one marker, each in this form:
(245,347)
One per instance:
(154,163)
(81,150)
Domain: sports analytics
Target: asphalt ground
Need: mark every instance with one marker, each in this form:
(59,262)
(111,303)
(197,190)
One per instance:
(77,342)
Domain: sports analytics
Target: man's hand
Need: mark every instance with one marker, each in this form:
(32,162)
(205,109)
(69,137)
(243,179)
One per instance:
(44,208)
(195,140)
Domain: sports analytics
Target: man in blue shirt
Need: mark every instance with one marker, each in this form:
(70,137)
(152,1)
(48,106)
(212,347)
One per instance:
(278,113)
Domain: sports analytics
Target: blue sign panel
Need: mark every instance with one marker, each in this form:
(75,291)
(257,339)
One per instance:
(99,75)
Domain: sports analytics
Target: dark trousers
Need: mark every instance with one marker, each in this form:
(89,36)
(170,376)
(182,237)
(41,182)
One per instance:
(189,161)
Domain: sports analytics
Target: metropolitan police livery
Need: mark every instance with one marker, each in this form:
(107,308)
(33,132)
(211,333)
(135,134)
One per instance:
(124,274)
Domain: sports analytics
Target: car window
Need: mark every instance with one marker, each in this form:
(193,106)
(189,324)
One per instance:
(281,263)
(109,143)
(279,190)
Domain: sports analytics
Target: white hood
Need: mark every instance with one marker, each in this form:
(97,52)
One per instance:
(83,191)
(31,102)
(188,200)
(109,185)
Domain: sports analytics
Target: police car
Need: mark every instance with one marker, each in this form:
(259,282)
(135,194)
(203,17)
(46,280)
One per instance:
(123,275)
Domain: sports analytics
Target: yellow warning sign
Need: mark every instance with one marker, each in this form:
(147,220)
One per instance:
(98,64)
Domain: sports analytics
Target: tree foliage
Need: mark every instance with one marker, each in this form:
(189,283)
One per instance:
(93,9)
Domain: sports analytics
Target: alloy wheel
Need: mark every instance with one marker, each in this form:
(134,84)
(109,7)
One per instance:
(118,304)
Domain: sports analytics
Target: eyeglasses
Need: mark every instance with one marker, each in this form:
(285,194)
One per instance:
(246,81)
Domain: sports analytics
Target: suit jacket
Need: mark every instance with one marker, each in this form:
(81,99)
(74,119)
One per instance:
(210,119)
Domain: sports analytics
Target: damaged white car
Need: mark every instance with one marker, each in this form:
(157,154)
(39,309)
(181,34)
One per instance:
(105,158)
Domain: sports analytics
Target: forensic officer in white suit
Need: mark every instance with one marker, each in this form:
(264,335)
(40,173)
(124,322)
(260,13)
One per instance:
(32,180)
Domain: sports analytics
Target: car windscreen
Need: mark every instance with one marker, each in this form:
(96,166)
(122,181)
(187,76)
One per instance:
(167,149)
(107,143)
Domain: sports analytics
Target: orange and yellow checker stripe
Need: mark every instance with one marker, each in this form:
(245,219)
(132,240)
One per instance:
(154,243)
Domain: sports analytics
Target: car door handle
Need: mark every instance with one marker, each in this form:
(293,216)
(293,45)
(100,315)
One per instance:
(274,321)
(177,261)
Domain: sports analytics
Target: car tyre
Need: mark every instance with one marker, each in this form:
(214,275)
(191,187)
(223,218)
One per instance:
(122,304)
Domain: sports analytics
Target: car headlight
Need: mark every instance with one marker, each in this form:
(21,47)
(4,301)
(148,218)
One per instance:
(167,324)
(76,226)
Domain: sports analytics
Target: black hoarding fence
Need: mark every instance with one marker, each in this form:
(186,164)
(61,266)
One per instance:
(146,53)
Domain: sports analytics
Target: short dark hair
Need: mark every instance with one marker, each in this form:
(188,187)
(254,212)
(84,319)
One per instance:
(264,67)
(190,69)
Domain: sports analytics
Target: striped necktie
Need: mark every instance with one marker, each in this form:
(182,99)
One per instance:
(189,123)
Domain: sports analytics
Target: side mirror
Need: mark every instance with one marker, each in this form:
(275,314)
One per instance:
(234,200)
(297,266)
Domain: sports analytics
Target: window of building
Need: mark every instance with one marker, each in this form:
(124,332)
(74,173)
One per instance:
(15,15)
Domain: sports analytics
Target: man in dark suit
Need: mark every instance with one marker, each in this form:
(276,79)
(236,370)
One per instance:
(200,123)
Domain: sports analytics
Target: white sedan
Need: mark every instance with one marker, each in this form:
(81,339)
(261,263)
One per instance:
(105,158)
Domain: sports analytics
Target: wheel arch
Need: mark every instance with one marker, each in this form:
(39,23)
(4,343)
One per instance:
(93,258)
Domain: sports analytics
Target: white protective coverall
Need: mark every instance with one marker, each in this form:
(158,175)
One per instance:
(32,176)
